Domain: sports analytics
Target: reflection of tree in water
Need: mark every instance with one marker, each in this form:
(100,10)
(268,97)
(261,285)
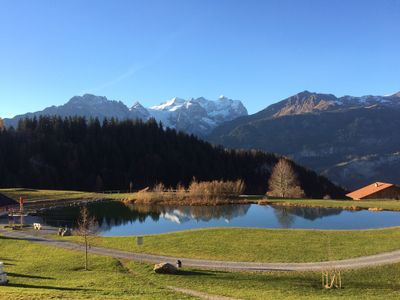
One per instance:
(286,214)
(284,217)
(109,214)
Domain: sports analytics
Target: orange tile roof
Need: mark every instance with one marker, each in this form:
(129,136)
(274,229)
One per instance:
(369,189)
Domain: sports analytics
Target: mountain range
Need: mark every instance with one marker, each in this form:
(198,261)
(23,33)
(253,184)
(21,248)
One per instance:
(194,115)
(351,140)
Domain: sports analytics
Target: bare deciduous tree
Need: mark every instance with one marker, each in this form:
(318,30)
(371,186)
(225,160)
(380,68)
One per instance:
(283,181)
(86,229)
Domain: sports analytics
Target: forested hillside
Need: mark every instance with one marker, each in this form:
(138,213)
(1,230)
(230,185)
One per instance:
(73,153)
(353,141)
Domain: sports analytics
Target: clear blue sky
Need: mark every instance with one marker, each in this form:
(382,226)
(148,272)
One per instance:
(256,51)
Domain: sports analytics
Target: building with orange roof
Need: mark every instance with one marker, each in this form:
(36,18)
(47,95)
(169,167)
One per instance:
(376,190)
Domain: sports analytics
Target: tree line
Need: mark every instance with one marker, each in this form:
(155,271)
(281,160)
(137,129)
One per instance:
(75,153)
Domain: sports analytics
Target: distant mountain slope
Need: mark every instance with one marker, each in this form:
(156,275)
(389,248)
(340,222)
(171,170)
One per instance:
(351,140)
(198,116)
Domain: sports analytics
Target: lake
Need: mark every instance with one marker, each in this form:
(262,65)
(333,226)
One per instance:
(116,218)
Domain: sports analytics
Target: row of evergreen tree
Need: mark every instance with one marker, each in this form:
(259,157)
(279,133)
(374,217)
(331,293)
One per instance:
(80,154)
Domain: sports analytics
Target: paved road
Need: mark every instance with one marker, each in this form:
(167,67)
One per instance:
(353,263)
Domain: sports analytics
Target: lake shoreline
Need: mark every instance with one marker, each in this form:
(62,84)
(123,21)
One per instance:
(55,197)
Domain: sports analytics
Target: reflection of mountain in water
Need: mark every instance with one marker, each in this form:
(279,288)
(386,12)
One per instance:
(205,213)
(109,214)
(286,215)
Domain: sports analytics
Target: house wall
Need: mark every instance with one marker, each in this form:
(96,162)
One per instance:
(392,192)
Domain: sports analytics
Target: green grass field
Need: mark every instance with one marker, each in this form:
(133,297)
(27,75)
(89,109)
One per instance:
(33,195)
(350,204)
(261,245)
(43,272)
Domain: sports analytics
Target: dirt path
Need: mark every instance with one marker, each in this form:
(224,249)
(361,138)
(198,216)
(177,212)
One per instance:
(352,263)
(200,295)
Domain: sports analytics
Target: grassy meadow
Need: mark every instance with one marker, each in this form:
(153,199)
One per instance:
(36,196)
(384,204)
(43,272)
(260,245)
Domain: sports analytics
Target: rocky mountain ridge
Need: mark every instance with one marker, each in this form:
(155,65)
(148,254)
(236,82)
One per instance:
(306,102)
(351,140)
(194,115)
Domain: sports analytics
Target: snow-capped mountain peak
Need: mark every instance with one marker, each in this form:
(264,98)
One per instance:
(171,104)
(195,115)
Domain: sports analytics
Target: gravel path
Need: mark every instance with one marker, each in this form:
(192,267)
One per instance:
(352,263)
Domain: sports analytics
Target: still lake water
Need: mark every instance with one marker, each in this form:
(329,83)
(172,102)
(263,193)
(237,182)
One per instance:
(117,218)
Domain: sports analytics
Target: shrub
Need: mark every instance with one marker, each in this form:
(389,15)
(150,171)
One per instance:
(216,189)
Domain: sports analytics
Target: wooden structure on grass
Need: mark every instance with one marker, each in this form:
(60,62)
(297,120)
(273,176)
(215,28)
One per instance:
(331,279)
(376,190)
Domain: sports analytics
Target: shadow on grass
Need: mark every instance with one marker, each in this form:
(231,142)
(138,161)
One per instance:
(278,278)
(6,260)
(29,286)
(194,273)
(370,285)
(28,276)
(6,238)
(22,238)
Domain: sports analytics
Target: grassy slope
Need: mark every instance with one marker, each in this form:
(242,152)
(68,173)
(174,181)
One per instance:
(261,245)
(371,283)
(32,195)
(384,204)
(42,272)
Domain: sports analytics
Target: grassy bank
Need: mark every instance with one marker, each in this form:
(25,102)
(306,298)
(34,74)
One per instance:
(261,245)
(35,196)
(179,198)
(43,272)
(346,204)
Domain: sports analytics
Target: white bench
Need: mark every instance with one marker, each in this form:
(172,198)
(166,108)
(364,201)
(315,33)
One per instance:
(37,226)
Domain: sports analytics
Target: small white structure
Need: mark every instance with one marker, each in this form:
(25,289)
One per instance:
(139,240)
(3,276)
(37,226)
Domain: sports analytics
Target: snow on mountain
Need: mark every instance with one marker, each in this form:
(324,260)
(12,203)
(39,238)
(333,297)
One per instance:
(198,116)
(306,102)
(169,105)
(138,111)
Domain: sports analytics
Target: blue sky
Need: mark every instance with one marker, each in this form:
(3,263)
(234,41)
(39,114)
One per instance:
(256,51)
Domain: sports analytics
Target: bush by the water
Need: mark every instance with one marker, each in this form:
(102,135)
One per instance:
(199,192)
(216,189)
